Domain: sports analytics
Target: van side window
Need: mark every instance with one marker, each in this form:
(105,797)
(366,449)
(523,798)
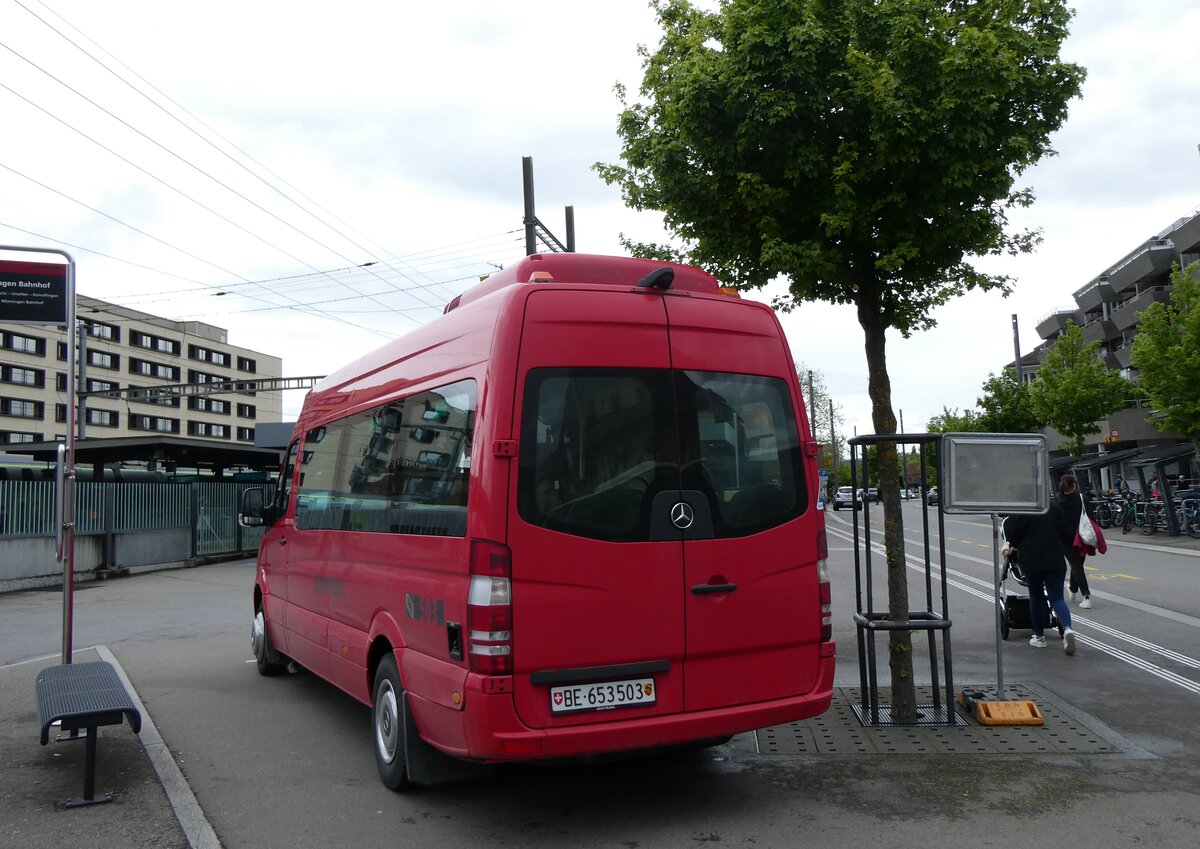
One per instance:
(284,489)
(402,467)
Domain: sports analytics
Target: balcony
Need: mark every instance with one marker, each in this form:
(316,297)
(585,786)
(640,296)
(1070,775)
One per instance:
(1186,237)
(1056,322)
(1126,315)
(1124,356)
(1100,330)
(1091,296)
(1148,263)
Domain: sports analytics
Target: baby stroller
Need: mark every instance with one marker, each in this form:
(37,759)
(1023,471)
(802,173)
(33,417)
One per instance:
(1015,611)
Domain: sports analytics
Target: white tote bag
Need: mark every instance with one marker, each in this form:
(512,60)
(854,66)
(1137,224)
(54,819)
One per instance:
(1086,532)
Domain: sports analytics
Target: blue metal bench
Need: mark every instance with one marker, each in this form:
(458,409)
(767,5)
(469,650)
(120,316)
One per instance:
(84,695)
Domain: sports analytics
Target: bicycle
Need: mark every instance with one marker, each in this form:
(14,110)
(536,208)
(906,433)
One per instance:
(1136,515)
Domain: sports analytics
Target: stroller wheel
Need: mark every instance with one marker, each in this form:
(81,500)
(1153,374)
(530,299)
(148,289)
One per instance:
(1004,626)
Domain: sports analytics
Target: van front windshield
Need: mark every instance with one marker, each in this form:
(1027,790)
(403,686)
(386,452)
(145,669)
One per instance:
(598,444)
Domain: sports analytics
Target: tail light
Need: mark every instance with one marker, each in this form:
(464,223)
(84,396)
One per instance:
(489,609)
(824,593)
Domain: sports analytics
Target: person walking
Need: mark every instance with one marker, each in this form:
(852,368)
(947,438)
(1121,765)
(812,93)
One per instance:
(1073,505)
(1042,540)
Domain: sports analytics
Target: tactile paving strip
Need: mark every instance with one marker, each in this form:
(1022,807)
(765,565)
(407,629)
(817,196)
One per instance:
(839,732)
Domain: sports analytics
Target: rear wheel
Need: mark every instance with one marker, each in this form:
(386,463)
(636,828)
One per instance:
(1127,524)
(387,722)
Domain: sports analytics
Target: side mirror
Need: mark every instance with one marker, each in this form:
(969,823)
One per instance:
(253,508)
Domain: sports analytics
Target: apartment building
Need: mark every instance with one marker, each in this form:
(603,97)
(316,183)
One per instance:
(1107,308)
(122,348)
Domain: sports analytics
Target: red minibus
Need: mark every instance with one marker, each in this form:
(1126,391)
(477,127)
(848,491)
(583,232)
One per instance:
(575,515)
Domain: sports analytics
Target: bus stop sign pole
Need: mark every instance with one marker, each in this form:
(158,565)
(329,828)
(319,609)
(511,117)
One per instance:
(44,293)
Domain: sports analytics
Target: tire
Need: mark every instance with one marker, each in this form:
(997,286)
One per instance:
(835,506)
(387,725)
(1004,626)
(1127,524)
(1150,526)
(266,658)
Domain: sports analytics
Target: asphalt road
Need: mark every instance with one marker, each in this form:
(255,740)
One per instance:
(287,761)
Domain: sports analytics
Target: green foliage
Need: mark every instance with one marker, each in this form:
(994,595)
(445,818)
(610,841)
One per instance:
(1007,405)
(862,149)
(952,421)
(1075,390)
(1166,352)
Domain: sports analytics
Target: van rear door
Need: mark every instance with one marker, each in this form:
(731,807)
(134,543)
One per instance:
(751,603)
(594,599)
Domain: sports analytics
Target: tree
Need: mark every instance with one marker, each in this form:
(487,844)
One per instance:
(828,431)
(952,421)
(1166,351)
(1074,390)
(1007,406)
(862,150)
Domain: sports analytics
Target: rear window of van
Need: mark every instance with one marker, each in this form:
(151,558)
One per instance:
(598,444)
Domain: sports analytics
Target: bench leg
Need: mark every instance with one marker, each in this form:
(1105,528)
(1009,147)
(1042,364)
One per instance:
(89,776)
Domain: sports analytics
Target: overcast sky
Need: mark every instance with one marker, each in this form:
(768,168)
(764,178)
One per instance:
(235,162)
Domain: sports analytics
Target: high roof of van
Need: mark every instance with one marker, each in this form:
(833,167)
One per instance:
(589,269)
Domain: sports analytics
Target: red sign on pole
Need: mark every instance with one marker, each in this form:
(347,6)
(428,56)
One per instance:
(34,292)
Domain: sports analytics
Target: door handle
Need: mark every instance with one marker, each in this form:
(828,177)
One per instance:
(709,589)
(283,540)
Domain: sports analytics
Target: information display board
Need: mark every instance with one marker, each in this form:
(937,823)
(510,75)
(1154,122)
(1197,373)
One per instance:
(999,473)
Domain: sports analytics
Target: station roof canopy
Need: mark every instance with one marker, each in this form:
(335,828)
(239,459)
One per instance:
(1102,460)
(187,453)
(1177,452)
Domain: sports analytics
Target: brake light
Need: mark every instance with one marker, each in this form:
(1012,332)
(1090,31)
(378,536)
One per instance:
(489,609)
(823,591)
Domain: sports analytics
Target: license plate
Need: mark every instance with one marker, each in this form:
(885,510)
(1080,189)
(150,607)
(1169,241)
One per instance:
(606,696)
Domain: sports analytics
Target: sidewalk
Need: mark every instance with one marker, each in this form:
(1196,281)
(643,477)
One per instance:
(35,781)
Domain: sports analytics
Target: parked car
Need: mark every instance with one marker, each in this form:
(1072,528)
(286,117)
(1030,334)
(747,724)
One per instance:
(931,497)
(873,494)
(845,497)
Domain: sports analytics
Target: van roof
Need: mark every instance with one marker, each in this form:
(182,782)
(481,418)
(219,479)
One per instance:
(591,269)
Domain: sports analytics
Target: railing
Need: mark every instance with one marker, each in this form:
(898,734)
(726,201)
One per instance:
(209,508)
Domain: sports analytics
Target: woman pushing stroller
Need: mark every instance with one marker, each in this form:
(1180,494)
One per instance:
(1043,540)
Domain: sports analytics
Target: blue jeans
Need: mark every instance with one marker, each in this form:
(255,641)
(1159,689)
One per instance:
(1043,585)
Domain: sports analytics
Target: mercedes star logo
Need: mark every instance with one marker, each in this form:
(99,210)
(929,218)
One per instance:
(682,515)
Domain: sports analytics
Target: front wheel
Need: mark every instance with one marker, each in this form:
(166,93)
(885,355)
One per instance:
(387,723)
(266,658)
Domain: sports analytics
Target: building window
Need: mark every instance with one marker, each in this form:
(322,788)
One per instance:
(209,429)
(23,376)
(60,412)
(23,344)
(94,385)
(153,343)
(247,411)
(146,368)
(20,408)
(245,434)
(247,364)
(103,418)
(103,359)
(204,404)
(100,330)
(207,355)
(61,381)
(12,437)
(204,377)
(159,424)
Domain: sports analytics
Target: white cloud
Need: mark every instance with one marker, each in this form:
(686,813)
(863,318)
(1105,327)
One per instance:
(408,123)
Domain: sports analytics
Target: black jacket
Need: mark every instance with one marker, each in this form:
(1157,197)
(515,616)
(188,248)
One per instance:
(1043,539)
(1071,506)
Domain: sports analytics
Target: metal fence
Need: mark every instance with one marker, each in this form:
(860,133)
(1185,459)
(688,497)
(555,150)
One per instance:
(209,508)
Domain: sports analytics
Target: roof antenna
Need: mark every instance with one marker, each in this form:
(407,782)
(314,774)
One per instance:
(660,278)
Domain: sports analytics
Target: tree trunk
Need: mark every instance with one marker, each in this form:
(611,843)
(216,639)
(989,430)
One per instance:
(900,662)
